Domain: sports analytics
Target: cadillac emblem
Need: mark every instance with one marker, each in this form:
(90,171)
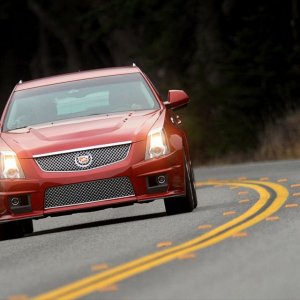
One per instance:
(83,160)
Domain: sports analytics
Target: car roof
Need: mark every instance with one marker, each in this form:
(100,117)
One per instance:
(77,76)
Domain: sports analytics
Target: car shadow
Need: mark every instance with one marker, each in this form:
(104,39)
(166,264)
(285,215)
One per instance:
(99,223)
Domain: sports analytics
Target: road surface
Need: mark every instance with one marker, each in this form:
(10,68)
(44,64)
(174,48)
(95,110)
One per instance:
(242,242)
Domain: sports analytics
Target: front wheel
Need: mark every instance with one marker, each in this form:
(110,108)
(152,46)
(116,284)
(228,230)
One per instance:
(187,203)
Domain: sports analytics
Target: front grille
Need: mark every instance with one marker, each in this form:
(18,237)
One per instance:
(94,158)
(87,192)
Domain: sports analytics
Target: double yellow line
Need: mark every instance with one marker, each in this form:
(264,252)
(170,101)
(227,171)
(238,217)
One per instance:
(271,197)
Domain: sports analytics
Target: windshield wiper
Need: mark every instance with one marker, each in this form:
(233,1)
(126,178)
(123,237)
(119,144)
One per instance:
(22,127)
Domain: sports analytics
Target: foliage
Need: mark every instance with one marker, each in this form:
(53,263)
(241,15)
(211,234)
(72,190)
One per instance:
(238,60)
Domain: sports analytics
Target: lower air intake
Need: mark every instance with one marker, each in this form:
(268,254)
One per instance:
(87,192)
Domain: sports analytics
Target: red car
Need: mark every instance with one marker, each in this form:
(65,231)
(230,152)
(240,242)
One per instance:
(87,141)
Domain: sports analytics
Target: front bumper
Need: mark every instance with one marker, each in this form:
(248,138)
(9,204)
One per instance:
(142,175)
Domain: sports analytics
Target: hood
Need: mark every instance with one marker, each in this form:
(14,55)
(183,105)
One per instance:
(80,133)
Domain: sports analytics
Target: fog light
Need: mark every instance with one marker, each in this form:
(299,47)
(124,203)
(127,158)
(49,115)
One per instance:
(20,204)
(161,179)
(157,184)
(15,201)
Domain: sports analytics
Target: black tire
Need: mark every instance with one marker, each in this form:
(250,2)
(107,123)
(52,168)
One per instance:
(192,176)
(183,204)
(14,230)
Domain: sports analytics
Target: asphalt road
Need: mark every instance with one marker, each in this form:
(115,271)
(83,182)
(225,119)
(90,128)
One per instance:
(242,242)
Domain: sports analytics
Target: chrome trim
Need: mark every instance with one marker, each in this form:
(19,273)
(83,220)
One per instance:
(80,149)
(68,205)
(85,170)
(78,162)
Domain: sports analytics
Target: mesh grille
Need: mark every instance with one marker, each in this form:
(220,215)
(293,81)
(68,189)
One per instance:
(93,191)
(66,162)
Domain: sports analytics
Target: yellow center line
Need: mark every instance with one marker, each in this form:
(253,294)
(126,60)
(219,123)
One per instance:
(92,283)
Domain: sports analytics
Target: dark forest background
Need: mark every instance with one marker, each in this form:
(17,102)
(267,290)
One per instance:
(238,60)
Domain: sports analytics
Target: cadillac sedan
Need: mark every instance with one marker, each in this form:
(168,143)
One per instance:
(88,141)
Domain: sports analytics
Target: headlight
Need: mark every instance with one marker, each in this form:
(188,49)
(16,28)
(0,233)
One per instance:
(10,167)
(156,144)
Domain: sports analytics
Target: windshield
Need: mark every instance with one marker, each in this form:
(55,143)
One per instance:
(80,98)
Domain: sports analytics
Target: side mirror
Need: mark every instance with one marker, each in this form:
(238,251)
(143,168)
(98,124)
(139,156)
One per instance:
(177,99)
